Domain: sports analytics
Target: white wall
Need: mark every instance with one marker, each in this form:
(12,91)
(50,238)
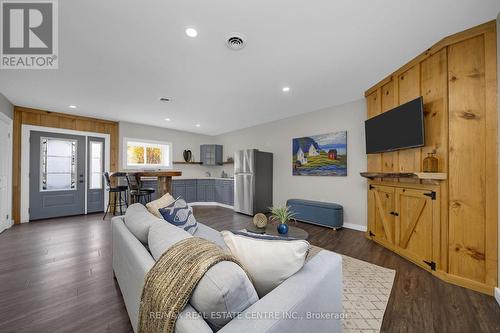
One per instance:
(276,137)
(180,140)
(6,107)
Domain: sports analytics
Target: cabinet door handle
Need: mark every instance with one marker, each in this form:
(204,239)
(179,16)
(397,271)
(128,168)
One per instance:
(394,213)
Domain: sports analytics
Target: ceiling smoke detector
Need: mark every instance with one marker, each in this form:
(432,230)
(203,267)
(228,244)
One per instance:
(236,41)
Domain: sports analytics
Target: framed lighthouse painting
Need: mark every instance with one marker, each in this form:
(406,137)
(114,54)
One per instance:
(320,155)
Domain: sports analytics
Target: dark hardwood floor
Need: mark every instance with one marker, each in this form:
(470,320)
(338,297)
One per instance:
(56,276)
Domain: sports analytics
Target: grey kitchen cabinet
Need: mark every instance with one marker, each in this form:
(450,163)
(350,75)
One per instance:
(191,193)
(211,154)
(224,191)
(204,190)
(178,189)
(185,189)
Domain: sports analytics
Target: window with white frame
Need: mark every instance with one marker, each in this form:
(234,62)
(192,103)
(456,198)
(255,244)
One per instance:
(141,154)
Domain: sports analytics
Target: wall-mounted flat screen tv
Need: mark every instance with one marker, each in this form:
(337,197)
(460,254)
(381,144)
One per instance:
(399,128)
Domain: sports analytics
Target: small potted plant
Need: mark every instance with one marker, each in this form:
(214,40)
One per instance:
(282,214)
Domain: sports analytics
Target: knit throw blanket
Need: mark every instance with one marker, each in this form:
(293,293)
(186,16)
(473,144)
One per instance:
(171,281)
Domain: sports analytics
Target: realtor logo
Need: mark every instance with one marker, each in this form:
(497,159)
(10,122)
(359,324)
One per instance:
(29,34)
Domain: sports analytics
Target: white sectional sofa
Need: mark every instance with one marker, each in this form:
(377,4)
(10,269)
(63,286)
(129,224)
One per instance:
(308,301)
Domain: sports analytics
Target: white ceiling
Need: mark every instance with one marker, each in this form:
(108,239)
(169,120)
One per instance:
(117,58)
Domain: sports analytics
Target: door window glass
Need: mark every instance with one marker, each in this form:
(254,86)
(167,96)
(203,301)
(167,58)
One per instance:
(95,165)
(58,164)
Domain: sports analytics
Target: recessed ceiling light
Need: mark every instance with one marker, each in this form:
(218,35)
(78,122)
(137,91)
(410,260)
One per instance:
(286,89)
(191,32)
(198,125)
(167,119)
(72,106)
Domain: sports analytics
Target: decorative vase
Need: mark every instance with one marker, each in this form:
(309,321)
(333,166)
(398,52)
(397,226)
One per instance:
(282,228)
(430,163)
(187,155)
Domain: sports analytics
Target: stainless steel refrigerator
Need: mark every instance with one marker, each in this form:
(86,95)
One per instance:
(253,181)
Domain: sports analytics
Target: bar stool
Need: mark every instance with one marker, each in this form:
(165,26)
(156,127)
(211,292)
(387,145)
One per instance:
(137,194)
(118,192)
(149,190)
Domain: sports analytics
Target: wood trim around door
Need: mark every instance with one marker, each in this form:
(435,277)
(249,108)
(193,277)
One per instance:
(28,116)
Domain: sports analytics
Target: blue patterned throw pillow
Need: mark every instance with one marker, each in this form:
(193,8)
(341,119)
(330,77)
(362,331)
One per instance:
(181,215)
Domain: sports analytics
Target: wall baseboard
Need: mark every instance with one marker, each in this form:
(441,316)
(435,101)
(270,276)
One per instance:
(497,295)
(210,204)
(9,224)
(355,227)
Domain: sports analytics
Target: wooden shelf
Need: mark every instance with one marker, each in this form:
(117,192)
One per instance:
(182,162)
(414,175)
(198,163)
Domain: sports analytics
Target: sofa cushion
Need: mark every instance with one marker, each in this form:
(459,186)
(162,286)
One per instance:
(155,205)
(268,260)
(224,290)
(162,236)
(190,321)
(138,220)
(181,215)
(210,234)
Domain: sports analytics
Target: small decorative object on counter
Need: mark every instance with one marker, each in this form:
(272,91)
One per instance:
(230,159)
(431,163)
(282,215)
(188,155)
(260,220)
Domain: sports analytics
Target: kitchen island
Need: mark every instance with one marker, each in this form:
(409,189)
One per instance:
(164,183)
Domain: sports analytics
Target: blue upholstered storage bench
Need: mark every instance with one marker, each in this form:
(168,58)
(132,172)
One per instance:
(322,213)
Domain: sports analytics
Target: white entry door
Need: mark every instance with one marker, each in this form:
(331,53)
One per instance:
(5,160)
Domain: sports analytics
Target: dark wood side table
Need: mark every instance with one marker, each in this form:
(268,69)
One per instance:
(271,229)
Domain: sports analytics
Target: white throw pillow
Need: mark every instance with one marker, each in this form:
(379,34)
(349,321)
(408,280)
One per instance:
(155,205)
(269,260)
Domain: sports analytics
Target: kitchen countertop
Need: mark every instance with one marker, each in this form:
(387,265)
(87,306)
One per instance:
(202,178)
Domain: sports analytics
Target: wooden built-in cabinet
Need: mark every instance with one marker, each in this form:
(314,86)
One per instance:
(453,233)
(405,219)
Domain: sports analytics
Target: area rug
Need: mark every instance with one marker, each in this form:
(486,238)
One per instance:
(366,291)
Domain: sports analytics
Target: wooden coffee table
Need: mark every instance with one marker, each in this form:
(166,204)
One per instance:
(271,229)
